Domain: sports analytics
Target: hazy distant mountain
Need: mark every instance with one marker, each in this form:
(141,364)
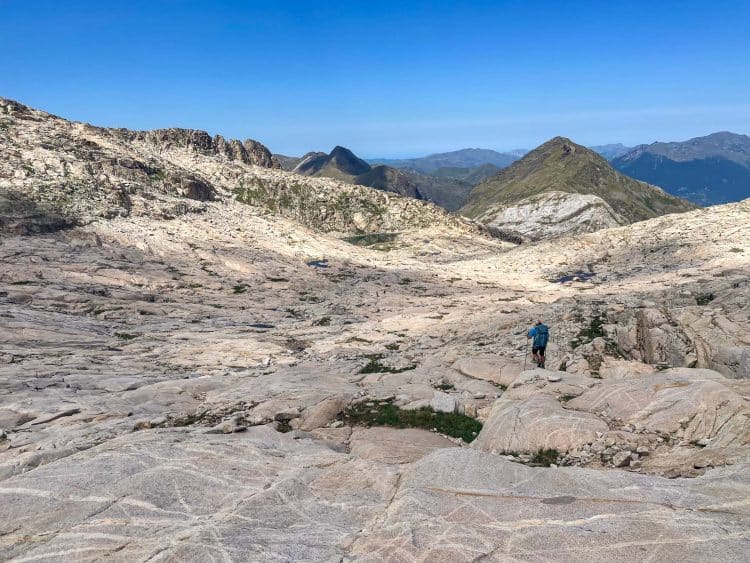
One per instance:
(707,170)
(562,188)
(464,158)
(288,162)
(611,151)
(342,164)
(471,176)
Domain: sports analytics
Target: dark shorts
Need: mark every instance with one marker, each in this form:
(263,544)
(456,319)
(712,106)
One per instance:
(538,350)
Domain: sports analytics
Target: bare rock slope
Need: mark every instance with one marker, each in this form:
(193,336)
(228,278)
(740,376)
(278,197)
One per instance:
(54,173)
(177,378)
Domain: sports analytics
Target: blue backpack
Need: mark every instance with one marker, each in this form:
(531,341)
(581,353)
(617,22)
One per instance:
(541,335)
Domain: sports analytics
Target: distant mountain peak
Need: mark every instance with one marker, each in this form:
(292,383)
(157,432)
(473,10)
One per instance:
(533,185)
(709,170)
(346,161)
(462,158)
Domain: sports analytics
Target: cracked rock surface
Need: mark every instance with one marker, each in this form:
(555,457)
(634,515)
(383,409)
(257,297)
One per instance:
(172,386)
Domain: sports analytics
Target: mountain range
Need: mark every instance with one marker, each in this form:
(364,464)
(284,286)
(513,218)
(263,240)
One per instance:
(57,174)
(612,150)
(707,170)
(447,191)
(561,188)
(463,158)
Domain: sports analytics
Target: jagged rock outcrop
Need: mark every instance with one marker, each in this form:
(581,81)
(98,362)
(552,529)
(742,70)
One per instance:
(247,151)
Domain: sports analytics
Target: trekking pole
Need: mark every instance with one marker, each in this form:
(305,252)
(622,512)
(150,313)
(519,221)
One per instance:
(525,354)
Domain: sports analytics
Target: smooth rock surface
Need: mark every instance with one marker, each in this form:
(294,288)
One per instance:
(539,422)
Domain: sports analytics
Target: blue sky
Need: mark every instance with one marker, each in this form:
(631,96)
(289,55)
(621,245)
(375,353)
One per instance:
(386,78)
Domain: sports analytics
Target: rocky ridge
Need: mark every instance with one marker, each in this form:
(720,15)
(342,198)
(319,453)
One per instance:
(56,173)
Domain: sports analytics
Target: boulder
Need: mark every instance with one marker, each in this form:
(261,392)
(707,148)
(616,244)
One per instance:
(318,416)
(534,423)
(498,370)
(442,402)
(696,404)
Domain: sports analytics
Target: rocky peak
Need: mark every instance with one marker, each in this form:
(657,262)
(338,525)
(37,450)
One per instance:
(248,151)
(340,163)
(532,190)
(348,162)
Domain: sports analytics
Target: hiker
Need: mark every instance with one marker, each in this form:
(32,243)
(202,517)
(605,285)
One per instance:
(540,334)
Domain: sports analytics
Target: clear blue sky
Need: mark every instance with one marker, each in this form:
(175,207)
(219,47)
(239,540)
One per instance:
(386,78)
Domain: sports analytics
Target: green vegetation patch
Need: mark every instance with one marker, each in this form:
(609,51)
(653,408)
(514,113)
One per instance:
(283,426)
(545,457)
(385,413)
(156,175)
(737,250)
(704,298)
(374,366)
(595,329)
(240,288)
(126,335)
(376,241)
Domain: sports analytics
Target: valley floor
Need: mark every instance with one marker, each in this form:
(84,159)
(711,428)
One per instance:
(148,366)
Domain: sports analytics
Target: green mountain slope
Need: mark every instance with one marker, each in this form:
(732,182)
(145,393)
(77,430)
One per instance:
(707,170)
(560,165)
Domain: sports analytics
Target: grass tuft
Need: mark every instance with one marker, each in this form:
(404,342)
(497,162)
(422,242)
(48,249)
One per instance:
(545,457)
(374,365)
(323,321)
(125,335)
(385,413)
